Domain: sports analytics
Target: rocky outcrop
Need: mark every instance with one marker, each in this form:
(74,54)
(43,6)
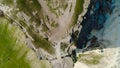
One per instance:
(1,13)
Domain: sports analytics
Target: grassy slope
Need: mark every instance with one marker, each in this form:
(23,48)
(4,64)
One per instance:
(78,10)
(9,56)
(15,54)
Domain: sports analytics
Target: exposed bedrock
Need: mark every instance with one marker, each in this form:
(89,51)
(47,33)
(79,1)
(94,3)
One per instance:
(95,17)
(63,63)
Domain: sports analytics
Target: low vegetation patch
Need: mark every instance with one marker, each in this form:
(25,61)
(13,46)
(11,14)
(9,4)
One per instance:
(54,24)
(78,10)
(63,46)
(41,42)
(8,2)
(90,58)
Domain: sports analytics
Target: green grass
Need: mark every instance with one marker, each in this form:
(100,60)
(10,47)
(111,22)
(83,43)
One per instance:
(92,59)
(8,2)
(9,57)
(78,10)
(25,5)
